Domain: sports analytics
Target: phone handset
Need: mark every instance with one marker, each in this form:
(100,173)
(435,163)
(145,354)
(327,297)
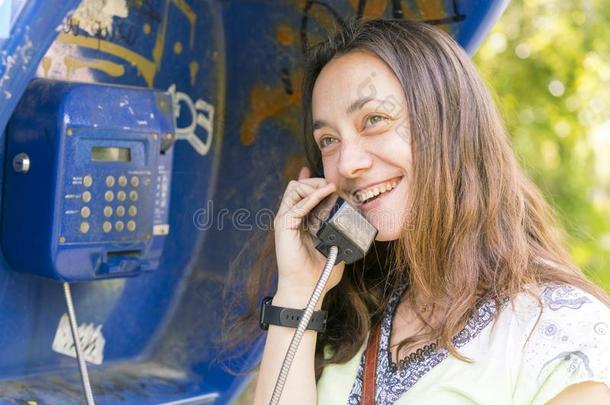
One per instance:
(335,222)
(344,234)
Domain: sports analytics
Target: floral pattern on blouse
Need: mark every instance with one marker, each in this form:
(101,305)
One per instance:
(392,384)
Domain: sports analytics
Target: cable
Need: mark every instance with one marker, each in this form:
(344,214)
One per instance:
(82,366)
(298,334)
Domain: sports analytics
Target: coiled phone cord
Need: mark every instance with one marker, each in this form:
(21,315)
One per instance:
(82,366)
(302,326)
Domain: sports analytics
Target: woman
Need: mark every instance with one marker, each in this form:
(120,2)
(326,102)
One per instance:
(471,294)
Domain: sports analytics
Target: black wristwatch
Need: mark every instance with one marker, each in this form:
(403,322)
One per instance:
(289,317)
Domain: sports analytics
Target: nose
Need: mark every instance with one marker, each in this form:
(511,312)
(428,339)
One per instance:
(354,159)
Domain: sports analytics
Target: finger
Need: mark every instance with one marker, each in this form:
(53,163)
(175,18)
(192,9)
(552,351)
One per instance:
(297,190)
(303,207)
(294,193)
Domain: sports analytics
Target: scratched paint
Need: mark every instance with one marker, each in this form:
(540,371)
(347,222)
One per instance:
(96,15)
(21,57)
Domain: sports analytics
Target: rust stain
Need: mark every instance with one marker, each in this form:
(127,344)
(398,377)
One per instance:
(267,102)
(285,34)
(433,10)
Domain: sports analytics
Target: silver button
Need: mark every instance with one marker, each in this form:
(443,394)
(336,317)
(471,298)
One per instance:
(131,226)
(120,211)
(119,226)
(107,211)
(121,195)
(86,196)
(122,181)
(133,195)
(21,163)
(109,196)
(85,212)
(107,226)
(133,211)
(87,181)
(135,181)
(110,181)
(84,227)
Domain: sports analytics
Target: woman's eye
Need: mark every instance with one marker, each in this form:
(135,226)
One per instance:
(324,142)
(374,119)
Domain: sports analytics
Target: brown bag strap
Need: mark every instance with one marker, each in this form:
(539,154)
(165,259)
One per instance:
(370,367)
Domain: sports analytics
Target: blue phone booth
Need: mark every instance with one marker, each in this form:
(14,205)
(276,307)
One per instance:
(132,134)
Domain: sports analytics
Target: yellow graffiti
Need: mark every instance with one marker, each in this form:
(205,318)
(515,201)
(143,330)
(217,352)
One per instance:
(160,42)
(177,48)
(267,103)
(110,68)
(146,67)
(193,69)
(46,65)
(190,15)
(285,34)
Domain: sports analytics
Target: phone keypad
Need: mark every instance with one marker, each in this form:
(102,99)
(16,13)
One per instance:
(120,211)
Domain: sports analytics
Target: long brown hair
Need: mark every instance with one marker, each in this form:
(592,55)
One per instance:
(478,228)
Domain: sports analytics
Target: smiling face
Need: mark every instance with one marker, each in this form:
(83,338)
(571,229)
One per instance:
(360,126)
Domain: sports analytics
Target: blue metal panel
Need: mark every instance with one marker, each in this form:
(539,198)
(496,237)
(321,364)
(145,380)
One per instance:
(235,65)
(57,230)
(34,27)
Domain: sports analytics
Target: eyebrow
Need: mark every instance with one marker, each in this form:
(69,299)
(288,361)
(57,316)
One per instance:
(354,106)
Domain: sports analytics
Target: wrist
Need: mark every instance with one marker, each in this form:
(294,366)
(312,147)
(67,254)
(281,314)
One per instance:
(297,298)
(289,317)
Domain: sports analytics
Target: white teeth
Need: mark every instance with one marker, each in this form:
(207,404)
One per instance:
(362,196)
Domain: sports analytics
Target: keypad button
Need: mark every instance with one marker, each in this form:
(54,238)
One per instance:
(135,181)
(87,181)
(122,181)
(133,211)
(84,227)
(109,196)
(107,211)
(86,196)
(131,226)
(121,196)
(85,212)
(120,211)
(110,181)
(133,195)
(119,226)
(107,226)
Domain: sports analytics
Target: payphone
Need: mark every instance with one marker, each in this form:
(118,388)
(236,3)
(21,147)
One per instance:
(87,180)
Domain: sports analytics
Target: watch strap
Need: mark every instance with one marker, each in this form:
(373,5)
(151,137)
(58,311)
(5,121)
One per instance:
(289,317)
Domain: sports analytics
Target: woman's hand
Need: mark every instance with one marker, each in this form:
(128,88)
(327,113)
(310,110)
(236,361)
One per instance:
(299,263)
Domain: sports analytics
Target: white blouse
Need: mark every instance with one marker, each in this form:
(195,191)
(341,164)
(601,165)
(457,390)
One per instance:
(520,355)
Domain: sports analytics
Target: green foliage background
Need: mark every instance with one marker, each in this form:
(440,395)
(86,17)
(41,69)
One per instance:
(548,62)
